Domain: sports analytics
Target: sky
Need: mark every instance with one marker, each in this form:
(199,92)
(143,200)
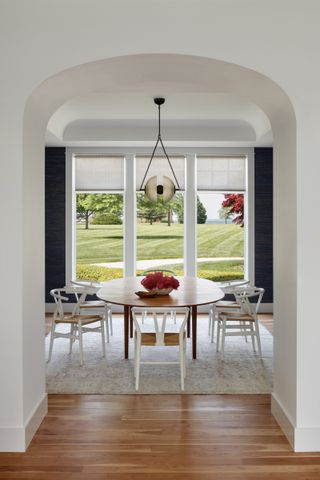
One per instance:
(212,203)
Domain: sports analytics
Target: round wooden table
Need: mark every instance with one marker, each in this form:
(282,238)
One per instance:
(192,292)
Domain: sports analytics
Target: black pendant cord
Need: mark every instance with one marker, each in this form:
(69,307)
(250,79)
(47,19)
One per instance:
(170,164)
(155,147)
(164,150)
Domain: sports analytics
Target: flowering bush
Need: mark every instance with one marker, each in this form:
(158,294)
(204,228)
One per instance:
(160,281)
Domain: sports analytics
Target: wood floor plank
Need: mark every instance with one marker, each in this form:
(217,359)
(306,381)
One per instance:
(159,437)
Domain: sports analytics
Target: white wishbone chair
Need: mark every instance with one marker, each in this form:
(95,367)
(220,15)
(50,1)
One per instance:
(159,337)
(224,305)
(78,324)
(243,323)
(83,288)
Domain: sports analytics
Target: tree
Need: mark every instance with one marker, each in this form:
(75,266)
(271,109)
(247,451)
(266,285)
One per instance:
(89,204)
(234,201)
(225,213)
(178,206)
(150,211)
(201,212)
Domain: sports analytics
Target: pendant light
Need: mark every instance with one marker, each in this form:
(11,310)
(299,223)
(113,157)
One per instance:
(166,187)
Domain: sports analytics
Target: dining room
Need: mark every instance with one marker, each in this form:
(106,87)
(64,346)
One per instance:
(108,233)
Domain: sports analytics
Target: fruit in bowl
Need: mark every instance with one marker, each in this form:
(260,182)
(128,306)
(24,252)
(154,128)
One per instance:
(159,283)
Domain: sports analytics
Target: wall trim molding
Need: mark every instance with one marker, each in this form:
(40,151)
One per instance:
(35,419)
(302,439)
(283,419)
(307,439)
(17,439)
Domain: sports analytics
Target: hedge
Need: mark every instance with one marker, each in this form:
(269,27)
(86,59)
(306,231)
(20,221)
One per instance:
(103,274)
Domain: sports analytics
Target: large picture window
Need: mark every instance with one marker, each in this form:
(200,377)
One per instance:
(116,231)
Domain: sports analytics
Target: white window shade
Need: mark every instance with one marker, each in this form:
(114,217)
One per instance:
(221,173)
(95,173)
(160,167)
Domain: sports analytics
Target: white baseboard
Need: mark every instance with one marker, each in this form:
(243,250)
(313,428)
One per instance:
(302,439)
(17,439)
(35,419)
(283,419)
(307,439)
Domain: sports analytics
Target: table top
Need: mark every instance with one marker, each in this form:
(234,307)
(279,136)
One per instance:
(192,292)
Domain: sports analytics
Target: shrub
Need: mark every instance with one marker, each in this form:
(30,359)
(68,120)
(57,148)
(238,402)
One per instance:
(99,274)
(106,219)
(103,274)
(216,276)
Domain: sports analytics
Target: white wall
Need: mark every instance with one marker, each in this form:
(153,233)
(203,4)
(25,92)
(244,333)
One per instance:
(278,39)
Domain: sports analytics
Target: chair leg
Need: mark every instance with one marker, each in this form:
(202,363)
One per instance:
(258,337)
(185,357)
(212,328)
(80,343)
(106,326)
(53,327)
(218,334)
(253,335)
(223,337)
(71,338)
(103,336)
(181,366)
(138,356)
(175,318)
(110,321)
(135,357)
(244,331)
(209,323)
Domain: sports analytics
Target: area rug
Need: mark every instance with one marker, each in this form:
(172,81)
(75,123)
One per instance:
(241,371)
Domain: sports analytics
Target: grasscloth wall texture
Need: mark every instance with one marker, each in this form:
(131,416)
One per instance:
(56,229)
(55,222)
(264,221)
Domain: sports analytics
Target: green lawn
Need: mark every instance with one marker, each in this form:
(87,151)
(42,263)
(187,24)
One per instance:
(104,243)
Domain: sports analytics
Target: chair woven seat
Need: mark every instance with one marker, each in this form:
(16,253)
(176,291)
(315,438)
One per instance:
(85,319)
(92,304)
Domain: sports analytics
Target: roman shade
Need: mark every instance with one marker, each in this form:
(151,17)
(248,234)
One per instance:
(227,174)
(98,173)
(160,167)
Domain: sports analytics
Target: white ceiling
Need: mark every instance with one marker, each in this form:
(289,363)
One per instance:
(129,117)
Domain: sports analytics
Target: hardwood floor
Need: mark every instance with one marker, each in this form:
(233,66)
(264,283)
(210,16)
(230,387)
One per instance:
(167,437)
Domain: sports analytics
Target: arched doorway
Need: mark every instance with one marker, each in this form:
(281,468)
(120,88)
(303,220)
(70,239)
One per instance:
(183,71)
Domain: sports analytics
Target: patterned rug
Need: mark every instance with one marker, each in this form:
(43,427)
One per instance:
(241,371)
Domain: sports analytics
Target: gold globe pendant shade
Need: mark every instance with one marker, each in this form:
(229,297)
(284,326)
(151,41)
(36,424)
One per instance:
(165,189)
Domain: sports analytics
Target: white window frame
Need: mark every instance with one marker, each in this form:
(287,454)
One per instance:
(190,199)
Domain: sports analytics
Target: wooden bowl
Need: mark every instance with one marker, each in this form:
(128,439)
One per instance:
(146,293)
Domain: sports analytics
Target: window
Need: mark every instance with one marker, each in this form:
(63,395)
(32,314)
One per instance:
(110,232)
(220,217)
(160,226)
(99,184)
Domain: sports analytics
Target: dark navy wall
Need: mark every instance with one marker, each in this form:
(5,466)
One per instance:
(264,221)
(55,197)
(55,225)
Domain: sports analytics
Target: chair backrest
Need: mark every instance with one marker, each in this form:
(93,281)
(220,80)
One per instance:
(59,298)
(229,287)
(154,270)
(87,286)
(243,297)
(159,313)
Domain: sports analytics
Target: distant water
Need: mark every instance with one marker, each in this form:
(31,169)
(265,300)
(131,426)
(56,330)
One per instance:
(216,221)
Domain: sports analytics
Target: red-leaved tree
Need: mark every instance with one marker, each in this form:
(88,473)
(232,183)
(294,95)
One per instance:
(234,202)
